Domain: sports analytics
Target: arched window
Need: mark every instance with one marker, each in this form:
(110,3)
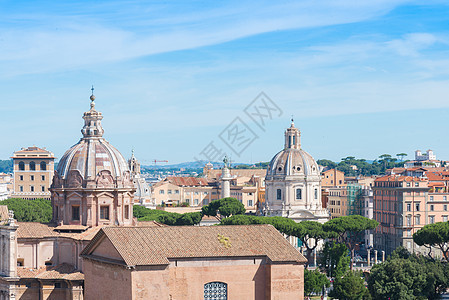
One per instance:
(32,166)
(21,166)
(298,194)
(43,166)
(215,291)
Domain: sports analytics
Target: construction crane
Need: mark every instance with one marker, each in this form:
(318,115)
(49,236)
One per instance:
(155,161)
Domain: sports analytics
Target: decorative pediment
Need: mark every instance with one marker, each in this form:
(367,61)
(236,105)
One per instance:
(57,181)
(110,195)
(104,179)
(74,180)
(74,194)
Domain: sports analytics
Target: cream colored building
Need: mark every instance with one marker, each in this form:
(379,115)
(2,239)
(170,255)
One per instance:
(33,173)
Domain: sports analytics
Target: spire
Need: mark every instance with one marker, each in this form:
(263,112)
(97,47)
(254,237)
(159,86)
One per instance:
(292,137)
(92,121)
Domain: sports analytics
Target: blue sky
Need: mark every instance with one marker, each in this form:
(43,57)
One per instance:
(360,78)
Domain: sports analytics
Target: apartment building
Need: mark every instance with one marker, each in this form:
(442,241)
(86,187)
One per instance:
(33,173)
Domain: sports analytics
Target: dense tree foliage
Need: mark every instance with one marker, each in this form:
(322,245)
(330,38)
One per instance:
(38,210)
(6,166)
(334,259)
(408,276)
(223,208)
(164,217)
(363,167)
(351,286)
(350,229)
(314,281)
(434,235)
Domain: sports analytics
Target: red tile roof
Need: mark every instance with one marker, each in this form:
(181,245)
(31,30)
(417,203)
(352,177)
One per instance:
(62,271)
(156,245)
(187,181)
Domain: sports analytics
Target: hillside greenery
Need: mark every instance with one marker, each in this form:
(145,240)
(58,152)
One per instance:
(6,166)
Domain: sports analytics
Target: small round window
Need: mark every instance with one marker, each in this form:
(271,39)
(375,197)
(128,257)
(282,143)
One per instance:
(298,168)
(280,169)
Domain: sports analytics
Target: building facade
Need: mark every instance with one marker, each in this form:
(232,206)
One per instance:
(33,173)
(208,262)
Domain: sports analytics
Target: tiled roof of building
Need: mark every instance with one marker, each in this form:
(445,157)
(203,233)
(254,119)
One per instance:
(62,271)
(399,178)
(155,246)
(187,181)
(35,230)
(216,173)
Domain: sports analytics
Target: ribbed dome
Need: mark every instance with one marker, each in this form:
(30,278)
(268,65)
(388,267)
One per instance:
(89,157)
(292,162)
(92,156)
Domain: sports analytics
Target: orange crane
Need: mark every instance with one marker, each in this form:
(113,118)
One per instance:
(155,161)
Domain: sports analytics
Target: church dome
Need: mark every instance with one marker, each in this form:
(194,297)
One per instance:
(292,160)
(92,157)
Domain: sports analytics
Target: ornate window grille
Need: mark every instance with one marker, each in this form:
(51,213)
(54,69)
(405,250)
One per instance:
(215,291)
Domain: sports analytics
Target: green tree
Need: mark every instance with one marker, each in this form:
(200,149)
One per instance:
(349,230)
(401,156)
(310,233)
(167,218)
(350,287)
(434,235)
(224,208)
(25,210)
(408,276)
(314,281)
(334,259)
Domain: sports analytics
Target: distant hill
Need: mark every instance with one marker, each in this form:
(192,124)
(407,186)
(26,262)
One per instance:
(6,166)
(198,165)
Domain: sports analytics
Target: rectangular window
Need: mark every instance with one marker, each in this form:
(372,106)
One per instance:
(32,177)
(31,188)
(431,207)
(417,220)
(250,203)
(195,202)
(126,211)
(408,184)
(409,220)
(21,188)
(43,177)
(188,201)
(104,212)
(278,194)
(409,232)
(409,207)
(445,207)
(21,177)
(298,194)
(416,184)
(431,198)
(196,193)
(417,207)
(444,198)
(176,191)
(75,213)
(316,193)
(43,188)
(161,192)
(444,218)
(169,192)
(431,219)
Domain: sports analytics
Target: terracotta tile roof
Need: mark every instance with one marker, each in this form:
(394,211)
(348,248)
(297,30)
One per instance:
(187,181)
(399,178)
(156,245)
(150,224)
(71,227)
(62,271)
(34,230)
